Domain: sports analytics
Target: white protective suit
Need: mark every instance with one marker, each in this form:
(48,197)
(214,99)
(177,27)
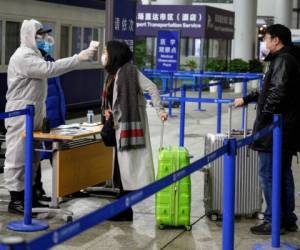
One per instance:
(27,84)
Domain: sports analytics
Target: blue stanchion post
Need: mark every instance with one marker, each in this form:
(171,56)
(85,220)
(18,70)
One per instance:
(28,225)
(195,83)
(276,182)
(276,193)
(245,81)
(164,84)
(228,195)
(199,83)
(219,106)
(28,166)
(171,93)
(182,116)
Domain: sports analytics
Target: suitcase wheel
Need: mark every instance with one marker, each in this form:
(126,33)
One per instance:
(69,219)
(188,228)
(161,226)
(214,217)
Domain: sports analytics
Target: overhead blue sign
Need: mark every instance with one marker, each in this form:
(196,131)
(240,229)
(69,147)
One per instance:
(167,50)
(124,21)
(193,21)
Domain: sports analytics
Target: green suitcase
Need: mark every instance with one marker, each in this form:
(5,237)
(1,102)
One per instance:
(173,203)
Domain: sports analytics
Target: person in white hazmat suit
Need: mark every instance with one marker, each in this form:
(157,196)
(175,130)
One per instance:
(27,84)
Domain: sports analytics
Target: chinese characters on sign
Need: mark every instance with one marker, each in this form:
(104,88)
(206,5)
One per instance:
(186,18)
(167,50)
(124,21)
(193,21)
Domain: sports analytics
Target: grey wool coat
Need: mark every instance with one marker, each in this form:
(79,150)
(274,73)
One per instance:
(136,165)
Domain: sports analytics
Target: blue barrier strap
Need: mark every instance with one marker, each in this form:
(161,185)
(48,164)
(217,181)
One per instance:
(193,99)
(188,74)
(72,229)
(15,113)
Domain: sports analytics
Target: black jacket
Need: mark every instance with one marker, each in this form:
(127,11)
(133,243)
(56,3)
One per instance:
(280,95)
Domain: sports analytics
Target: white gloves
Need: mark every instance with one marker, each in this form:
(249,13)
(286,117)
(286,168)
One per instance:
(89,53)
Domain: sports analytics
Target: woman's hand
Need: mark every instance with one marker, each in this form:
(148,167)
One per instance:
(107,113)
(163,115)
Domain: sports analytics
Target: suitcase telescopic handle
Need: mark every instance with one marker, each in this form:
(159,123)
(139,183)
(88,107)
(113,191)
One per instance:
(162,133)
(230,106)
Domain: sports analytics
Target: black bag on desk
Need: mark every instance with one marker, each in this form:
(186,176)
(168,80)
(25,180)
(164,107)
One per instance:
(108,133)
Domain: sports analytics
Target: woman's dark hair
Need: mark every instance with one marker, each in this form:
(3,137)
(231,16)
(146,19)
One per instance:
(280,31)
(118,54)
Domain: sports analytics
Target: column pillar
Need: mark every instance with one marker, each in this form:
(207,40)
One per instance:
(283,12)
(245,28)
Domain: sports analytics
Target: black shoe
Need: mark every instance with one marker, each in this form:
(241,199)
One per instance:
(126,215)
(44,198)
(41,194)
(16,207)
(38,204)
(265,228)
(291,227)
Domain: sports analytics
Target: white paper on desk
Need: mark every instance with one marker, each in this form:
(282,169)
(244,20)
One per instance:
(69,126)
(85,124)
(71,131)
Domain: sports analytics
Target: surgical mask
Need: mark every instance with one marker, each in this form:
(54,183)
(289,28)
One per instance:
(264,49)
(46,44)
(104,59)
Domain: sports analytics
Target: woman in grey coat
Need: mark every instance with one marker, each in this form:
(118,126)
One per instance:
(123,99)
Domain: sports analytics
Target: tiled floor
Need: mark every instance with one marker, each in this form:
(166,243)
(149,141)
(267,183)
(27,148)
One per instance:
(143,233)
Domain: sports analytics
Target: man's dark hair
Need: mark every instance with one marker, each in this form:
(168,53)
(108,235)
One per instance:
(118,54)
(280,31)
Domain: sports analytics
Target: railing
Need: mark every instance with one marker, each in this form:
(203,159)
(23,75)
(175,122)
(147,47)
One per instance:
(229,149)
(197,77)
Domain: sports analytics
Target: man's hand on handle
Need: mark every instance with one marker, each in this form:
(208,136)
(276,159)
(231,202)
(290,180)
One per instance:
(238,102)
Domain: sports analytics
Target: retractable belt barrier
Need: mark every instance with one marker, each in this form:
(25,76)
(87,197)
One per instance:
(26,225)
(229,148)
(196,77)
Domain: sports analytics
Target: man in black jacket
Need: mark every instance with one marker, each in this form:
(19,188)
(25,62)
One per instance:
(280,95)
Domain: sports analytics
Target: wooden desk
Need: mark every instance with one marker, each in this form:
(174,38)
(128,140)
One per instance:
(79,160)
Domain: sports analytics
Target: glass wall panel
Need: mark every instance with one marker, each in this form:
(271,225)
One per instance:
(87,37)
(76,40)
(12,39)
(64,41)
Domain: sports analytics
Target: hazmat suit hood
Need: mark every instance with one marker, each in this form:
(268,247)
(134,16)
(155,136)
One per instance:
(28,33)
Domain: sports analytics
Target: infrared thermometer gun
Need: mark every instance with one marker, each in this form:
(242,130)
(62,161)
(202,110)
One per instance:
(94,45)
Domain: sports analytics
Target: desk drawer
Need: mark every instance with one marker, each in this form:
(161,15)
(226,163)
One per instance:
(82,167)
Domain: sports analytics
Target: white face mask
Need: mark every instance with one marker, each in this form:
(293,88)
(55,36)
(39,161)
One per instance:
(264,49)
(104,59)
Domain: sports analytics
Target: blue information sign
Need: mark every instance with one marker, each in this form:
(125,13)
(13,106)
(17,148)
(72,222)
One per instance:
(124,21)
(167,50)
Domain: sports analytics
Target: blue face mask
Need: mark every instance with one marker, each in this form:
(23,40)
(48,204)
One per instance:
(47,47)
